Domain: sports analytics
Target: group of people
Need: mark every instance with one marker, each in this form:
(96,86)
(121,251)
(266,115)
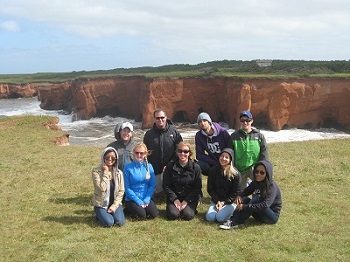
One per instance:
(133,177)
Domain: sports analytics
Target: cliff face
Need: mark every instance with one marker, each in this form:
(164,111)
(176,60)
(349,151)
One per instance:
(18,91)
(274,103)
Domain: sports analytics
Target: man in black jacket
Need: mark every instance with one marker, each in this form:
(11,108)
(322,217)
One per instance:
(161,141)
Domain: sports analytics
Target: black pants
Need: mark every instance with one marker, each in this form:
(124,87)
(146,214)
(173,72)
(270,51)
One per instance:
(187,213)
(138,212)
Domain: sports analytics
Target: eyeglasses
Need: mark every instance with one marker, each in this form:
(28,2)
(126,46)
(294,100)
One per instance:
(245,120)
(110,158)
(139,153)
(259,172)
(183,151)
(160,117)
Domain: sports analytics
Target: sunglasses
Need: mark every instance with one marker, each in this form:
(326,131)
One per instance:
(245,120)
(139,153)
(160,117)
(183,151)
(110,158)
(259,172)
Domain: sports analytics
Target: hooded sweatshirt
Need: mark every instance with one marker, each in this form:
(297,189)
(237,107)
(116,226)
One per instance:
(267,189)
(162,145)
(209,148)
(125,151)
(102,184)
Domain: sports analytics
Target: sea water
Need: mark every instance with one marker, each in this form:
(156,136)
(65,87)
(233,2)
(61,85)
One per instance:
(100,131)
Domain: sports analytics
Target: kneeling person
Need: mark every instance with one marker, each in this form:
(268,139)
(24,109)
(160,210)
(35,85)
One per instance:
(182,184)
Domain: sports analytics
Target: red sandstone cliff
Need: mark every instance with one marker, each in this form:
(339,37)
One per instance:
(311,102)
(17,91)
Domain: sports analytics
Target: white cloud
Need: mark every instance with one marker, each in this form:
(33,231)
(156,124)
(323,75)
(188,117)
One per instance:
(184,18)
(9,26)
(164,32)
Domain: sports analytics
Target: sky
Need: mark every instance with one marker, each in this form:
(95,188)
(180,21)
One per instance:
(75,35)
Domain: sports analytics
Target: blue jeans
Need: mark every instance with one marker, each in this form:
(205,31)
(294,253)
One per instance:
(224,214)
(266,215)
(106,219)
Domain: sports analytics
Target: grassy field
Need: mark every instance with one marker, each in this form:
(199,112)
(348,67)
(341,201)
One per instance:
(46,213)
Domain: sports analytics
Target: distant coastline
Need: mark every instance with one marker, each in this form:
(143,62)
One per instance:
(280,69)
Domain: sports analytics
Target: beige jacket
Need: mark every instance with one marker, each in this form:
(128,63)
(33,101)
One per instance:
(101,183)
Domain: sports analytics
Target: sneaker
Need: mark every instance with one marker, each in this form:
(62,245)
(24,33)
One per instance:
(228,225)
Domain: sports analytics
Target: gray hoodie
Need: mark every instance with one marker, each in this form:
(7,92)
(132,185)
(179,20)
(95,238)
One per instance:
(125,151)
(267,189)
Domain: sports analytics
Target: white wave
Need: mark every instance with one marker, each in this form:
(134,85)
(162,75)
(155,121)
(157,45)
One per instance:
(100,131)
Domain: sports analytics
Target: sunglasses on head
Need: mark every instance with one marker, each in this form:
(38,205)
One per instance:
(183,151)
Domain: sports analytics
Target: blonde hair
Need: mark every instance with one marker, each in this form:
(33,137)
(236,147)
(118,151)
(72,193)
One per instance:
(143,145)
(230,171)
(181,144)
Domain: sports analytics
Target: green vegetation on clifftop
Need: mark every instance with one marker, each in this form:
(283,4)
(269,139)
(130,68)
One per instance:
(223,68)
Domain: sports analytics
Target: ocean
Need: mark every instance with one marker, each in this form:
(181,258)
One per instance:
(100,131)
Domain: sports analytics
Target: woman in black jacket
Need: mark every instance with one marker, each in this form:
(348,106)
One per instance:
(182,184)
(224,182)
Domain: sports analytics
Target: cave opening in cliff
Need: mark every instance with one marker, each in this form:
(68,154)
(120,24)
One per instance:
(331,122)
(180,116)
(113,112)
(261,121)
(285,127)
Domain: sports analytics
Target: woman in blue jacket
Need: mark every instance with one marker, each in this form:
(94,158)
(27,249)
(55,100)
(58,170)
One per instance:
(266,203)
(140,184)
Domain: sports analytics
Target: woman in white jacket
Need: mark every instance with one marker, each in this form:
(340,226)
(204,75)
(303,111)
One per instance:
(108,190)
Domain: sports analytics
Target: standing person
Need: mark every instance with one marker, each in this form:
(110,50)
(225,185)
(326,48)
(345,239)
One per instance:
(108,190)
(266,204)
(209,140)
(224,182)
(161,140)
(124,143)
(140,183)
(249,146)
(182,184)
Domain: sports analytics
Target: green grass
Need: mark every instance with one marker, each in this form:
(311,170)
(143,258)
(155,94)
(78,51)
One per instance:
(46,213)
(225,68)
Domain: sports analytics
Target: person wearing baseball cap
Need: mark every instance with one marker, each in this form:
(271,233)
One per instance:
(249,145)
(124,143)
